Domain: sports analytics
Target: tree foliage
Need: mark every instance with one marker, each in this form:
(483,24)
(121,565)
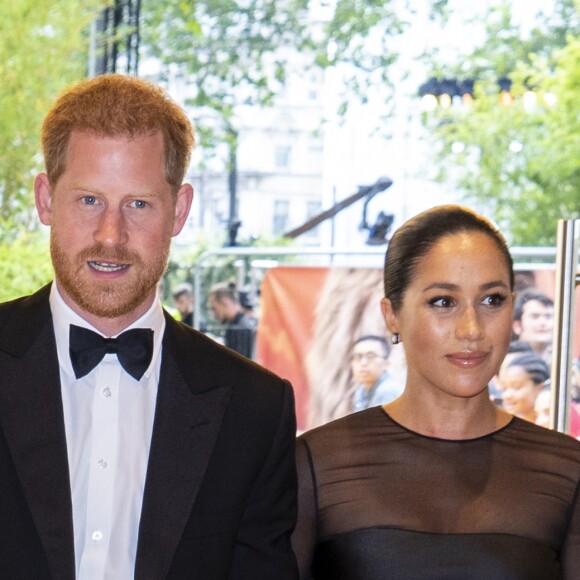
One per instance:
(234,52)
(24,265)
(43,47)
(519,161)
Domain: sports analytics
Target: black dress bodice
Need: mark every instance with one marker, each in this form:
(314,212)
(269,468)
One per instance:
(378,501)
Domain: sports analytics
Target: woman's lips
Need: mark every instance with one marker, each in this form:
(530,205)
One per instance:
(468,359)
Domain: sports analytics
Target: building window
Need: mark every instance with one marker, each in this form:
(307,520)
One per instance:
(282,153)
(281,212)
(315,83)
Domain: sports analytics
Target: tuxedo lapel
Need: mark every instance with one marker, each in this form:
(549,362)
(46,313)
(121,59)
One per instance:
(31,418)
(188,417)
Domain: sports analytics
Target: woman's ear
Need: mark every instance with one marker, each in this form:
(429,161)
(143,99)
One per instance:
(389,315)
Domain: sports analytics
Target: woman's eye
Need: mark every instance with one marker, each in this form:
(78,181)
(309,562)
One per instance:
(495,299)
(441,302)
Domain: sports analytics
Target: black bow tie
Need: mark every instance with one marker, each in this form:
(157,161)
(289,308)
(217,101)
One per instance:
(134,349)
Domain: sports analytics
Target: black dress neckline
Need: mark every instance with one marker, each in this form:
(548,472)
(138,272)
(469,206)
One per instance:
(442,439)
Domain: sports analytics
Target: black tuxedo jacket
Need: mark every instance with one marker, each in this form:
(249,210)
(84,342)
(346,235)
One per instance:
(219,498)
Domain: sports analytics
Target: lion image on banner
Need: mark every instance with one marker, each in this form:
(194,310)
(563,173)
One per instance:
(348,307)
(310,318)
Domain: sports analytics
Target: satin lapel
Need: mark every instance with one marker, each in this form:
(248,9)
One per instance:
(187,423)
(31,417)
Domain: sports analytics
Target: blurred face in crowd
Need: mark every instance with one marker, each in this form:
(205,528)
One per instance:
(519,391)
(219,309)
(542,408)
(112,215)
(537,323)
(368,362)
(455,318)
(575,380)
(184,304)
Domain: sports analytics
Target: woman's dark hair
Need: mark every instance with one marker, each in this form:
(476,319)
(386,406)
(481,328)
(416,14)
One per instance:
(519,346)
(413,240)
(534,365)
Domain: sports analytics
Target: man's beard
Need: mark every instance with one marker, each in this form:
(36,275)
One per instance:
(107,298)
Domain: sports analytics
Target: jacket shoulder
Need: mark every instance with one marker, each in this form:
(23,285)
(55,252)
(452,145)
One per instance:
(22,319)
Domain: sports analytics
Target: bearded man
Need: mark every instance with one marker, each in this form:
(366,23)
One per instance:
(131,445)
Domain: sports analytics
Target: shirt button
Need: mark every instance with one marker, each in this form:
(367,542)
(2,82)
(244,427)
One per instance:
(107,392)
(102,464)
(97,536)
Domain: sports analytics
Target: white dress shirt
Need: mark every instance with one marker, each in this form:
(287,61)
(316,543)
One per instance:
(108,418)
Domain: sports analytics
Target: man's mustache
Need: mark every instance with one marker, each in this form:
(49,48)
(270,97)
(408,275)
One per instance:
(98,253)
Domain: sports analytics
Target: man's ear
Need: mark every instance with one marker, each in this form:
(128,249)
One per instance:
(517,327)
(43,199)
(182,207)
(389,315)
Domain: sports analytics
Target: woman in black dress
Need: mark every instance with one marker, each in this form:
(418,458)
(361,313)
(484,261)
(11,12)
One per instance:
(441,483)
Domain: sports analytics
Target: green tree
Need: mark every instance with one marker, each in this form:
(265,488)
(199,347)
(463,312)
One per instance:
(519,161)
(233,52)
(43,47)
(24,265)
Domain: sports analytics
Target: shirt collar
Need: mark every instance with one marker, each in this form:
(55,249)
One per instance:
(63,316)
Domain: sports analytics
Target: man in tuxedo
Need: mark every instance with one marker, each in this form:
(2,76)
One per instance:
(131,446)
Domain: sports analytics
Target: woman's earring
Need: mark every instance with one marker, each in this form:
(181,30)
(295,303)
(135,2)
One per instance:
(395,338)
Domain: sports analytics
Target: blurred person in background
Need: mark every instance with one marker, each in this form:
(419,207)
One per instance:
(544,400)
(240,330)
(533,321)
(542,407)
(369,364)
(183,300)
(516,348)
(521,379)
(248,304)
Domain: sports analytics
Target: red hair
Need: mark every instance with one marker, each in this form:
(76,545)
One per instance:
(115,105)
